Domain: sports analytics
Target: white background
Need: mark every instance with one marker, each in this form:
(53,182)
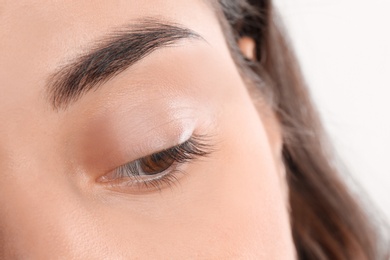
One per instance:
(344,50)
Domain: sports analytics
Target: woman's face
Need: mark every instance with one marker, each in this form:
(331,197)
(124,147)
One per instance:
(88,88)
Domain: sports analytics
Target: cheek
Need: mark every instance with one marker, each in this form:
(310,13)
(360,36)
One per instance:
(253,196)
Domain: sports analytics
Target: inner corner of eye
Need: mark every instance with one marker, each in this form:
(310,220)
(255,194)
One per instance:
(103,179)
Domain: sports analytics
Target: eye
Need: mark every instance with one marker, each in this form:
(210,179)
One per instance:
(155,163)
(153,171)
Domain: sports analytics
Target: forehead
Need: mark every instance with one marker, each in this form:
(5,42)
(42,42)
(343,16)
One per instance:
(23,20)
(107,11)
(59,27)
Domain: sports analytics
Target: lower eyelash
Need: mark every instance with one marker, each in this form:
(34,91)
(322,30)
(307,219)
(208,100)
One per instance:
(194,148)
(167,180)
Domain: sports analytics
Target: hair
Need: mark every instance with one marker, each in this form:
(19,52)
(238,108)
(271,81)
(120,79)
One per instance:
(327,221)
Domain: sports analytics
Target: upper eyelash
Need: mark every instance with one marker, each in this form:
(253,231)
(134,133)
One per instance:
(195,147)
(190,149)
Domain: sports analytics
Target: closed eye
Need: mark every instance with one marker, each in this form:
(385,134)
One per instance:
(160,169)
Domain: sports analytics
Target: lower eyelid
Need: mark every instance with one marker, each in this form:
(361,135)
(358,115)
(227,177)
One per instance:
(122,174)
(199,146)
(136,187)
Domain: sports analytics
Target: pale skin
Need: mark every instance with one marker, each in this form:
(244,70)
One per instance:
(53,205)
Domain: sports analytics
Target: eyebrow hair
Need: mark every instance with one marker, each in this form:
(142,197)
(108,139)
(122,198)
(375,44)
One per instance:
(111,56)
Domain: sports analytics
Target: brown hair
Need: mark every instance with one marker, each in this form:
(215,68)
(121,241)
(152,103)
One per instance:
(327,222)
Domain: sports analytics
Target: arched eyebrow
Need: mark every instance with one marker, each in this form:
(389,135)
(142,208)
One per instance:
(111,56)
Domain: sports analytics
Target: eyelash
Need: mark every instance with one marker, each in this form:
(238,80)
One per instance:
(194,148)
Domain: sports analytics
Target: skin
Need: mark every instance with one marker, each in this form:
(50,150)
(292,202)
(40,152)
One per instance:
(229,205)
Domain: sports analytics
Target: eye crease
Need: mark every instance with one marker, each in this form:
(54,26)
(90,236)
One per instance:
(159,169)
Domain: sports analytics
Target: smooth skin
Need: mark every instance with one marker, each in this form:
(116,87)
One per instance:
(229,205)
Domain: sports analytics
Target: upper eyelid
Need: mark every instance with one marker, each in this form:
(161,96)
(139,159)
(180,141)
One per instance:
(168,150)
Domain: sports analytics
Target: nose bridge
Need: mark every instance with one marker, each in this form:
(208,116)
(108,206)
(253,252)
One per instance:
(27,212)
(41,207)
(42,213)
(45,219)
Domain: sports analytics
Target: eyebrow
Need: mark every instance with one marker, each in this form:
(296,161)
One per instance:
(111,56)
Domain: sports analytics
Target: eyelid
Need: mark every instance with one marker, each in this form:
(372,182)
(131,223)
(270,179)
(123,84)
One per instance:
(195,147)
